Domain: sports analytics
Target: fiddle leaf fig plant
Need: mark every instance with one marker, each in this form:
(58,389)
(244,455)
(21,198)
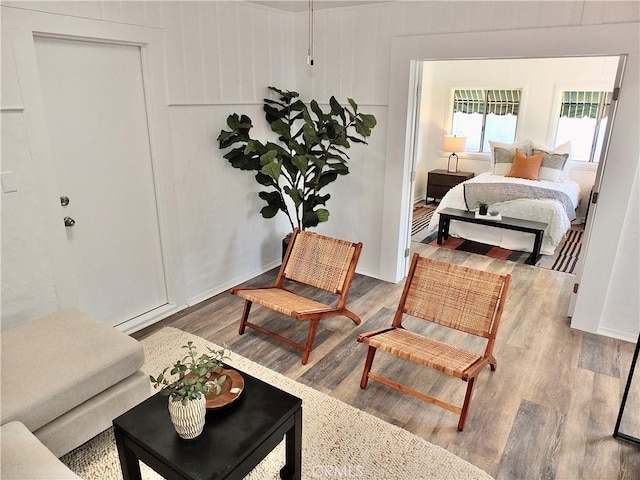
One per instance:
(310,155)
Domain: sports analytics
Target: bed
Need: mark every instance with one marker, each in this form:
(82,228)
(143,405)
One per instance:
(552,199)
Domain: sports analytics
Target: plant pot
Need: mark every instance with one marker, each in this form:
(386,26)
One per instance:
(483,209)
(188,420)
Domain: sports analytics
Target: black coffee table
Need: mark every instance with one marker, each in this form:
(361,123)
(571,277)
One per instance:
(235,438)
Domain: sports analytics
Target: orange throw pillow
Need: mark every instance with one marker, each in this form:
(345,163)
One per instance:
(526,167)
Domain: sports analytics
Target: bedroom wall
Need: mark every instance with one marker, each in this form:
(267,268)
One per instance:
(540,81)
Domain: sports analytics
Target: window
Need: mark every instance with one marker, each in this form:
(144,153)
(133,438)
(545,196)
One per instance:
(583,121)
(483,115)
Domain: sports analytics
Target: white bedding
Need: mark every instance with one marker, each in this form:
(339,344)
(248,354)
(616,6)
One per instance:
(541,210)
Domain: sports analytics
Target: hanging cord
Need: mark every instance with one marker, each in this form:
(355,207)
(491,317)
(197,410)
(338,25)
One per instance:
(310,50)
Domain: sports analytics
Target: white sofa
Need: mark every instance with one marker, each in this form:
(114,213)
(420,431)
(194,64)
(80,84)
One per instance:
(65,377)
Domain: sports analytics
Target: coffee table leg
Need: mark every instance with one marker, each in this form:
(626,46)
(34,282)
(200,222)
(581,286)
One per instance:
(128,460)
(292,469)
(443,228)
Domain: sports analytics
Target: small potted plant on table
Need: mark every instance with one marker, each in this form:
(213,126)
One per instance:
(483,207)
(196,377)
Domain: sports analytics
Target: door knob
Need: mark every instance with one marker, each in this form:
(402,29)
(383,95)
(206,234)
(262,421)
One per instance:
(64,200)
(69,222)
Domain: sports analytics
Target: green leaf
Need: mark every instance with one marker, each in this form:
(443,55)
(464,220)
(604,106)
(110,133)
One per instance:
(353,104)
(275,203)
(309,219)
(233,121)
(269,211)
(310,134)
(369,120)
(323,214)
(326,178)
(317,110)
(336,108)
(272,169)
(340,168)
(362,129)
(268,157)
(301,162)
(265,180)
(356,139)
(281,128)
(295,194)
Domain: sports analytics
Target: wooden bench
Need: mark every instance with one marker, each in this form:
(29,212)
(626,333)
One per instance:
(517,224)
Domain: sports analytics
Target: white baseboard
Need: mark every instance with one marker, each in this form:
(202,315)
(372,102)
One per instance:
(618,334)
(138,323)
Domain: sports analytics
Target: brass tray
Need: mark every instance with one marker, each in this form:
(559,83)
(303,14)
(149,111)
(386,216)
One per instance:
(231,389)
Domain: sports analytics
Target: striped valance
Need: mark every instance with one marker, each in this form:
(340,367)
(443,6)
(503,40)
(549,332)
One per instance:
(584,104)
(498,102)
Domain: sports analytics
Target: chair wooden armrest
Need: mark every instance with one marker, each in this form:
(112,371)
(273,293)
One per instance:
(364,336)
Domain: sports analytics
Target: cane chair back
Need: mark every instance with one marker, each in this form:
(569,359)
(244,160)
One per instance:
(457,297)
(319,261)
(462,298)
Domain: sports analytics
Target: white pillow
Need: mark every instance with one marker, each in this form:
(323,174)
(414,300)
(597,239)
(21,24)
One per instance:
(556,162)
(502,155)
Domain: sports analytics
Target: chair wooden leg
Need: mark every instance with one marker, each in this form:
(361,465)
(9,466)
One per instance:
(352,316)
(493,363)
(367,367)
(245,316)
(467,400)
(312,333)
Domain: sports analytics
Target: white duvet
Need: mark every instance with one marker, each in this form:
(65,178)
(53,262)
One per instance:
(541,210)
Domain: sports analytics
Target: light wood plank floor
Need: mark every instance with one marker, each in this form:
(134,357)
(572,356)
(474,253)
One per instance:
(548,411)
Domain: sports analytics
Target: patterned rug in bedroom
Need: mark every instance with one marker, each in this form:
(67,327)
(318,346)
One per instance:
(564,260)
(420,221)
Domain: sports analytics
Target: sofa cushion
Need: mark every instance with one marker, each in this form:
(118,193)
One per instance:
(71,358)
(23,456)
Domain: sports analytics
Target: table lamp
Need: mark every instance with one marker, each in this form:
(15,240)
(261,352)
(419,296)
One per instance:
(453,144)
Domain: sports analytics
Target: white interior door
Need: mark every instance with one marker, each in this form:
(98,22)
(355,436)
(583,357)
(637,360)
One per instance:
(597,184)
(95,108)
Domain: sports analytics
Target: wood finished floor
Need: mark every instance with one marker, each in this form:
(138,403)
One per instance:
(548,411)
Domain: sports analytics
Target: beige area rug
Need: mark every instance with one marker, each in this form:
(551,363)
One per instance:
(339,441)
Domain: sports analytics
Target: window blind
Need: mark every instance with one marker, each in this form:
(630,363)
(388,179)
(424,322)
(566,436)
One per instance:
(584,104)
(498,102)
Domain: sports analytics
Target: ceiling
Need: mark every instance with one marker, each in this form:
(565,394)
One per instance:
(303,5)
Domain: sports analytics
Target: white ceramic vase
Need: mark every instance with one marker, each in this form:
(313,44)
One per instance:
(188,419)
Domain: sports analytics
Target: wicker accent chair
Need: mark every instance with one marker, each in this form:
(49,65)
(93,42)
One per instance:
(461,298)
(322,262)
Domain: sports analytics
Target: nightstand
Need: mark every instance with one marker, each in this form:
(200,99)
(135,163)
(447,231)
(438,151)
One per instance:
(439,182)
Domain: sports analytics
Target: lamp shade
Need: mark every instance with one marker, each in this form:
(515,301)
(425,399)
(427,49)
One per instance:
(453,143)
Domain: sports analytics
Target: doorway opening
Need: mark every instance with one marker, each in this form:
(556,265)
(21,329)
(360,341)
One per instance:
(450,89)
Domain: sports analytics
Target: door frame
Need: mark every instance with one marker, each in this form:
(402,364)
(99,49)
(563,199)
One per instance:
(22,26)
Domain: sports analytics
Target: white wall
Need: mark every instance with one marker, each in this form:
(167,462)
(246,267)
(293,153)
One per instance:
(219,58)
(541,81)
